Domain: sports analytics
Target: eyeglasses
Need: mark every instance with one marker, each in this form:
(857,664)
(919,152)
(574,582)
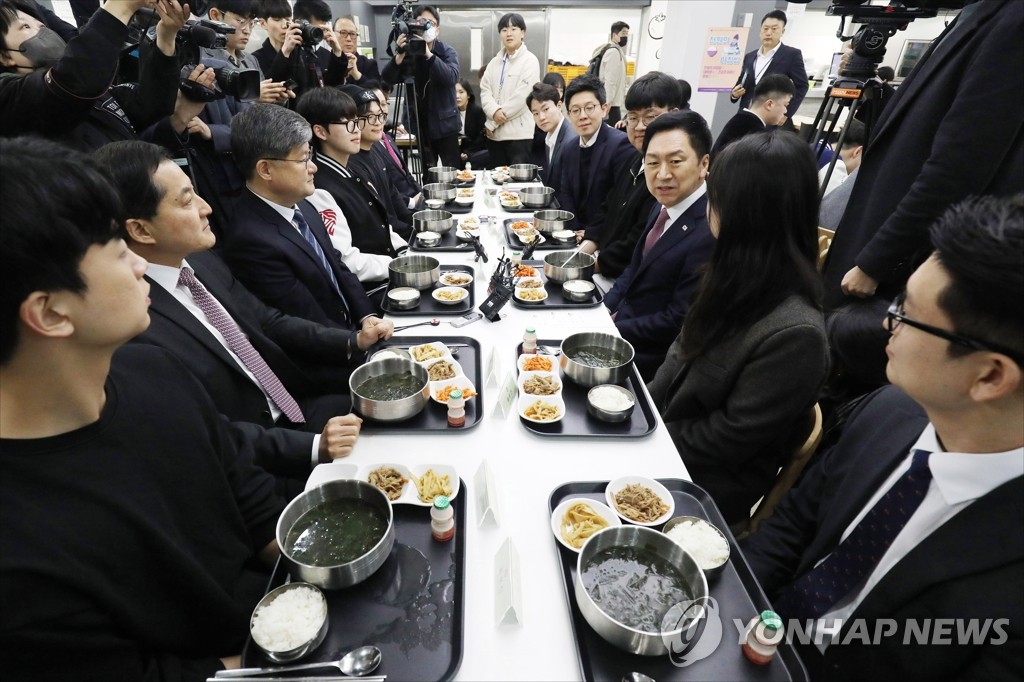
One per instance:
(632,120)
(589,109)
(304,160)
(376,119)
(351,126)
(239,21)
(348,34)
(896,316)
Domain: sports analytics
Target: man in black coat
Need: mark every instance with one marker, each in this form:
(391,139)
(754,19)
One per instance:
(768,109)
(913,519)
(955,128)
(168,226)
(360,67)
(772,57)
(553,133)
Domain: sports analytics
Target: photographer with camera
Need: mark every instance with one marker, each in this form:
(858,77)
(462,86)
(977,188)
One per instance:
(64,91)
(432,68)
(360,67)
(240,15)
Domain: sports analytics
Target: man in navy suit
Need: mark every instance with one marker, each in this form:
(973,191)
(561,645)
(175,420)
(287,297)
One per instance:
(553,134)
(276,242)
(947,439)
(649,301)
(772,57)
(588,168)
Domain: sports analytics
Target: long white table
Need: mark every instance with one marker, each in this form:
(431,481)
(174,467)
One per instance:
(526,468)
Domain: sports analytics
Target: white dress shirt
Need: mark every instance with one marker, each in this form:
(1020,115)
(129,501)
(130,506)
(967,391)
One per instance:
(762,61)
(958,479)
(593,138)
(674,212)
(551,139)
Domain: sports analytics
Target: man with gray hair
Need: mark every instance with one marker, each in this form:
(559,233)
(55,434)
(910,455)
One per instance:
(276,242)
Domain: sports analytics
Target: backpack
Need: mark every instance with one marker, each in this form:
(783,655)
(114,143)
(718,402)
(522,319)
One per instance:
(594,68)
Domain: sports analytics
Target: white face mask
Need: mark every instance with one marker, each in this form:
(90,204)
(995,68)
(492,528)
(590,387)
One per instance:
(430,35)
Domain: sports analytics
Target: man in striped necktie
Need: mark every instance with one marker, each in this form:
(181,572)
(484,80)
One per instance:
(912,521)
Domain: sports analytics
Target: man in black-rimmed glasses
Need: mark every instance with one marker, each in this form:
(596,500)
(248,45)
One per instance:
(914,515)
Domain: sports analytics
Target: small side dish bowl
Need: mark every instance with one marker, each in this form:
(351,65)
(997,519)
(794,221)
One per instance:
(456,278)
(276,639)
(616,486)
(578,290)
(434,203)
(450,295)
(610,403)
(528,408)
(694,535)
(461,382)
(403,298)
(386,353)
(531,294)
(558,518)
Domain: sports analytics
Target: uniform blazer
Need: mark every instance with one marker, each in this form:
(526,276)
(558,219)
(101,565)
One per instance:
(475,139)
(954,128)
(583,195)
(788,61)
(371,168)
(739,126)
(970,567)
(366,214)
(271,258)
(737,412)
(277,337)
(551,171)
(651,297)
(398,173)
(626,212)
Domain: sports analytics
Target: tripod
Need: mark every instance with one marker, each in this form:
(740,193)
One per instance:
(845,93)
(402,92)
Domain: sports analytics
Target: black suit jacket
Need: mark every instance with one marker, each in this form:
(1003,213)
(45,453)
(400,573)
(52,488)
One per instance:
(277,337)
(627,209)
(551,170)
(581,195)
(970,567)
(398,173)
(366,214)
(954,128)
(369,166)
(652,296)
(271,258)
(788,61)
(474,139)
(740,125)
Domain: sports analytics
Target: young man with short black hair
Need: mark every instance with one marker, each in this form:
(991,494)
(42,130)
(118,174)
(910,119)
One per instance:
(553,132)
(767,110)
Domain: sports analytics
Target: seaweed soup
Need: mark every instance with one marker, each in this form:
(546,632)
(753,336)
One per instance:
(596,356)
(390,386)
(634,586)
(335,532)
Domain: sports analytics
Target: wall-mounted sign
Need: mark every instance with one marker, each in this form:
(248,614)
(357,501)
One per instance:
(723,59)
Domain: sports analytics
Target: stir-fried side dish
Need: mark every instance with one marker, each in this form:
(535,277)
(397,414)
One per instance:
(542,411)
(430,485)
(532,294)
(442,369)
(390,480)
(525,271)
(530,284)
(639,503)
(425,352)
(446,392)
(542,384)
(451,294)
(579,523)
(537,364)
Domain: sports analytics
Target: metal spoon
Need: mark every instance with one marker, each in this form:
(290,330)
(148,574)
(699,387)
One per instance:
(571,255)
(356,663)
(432,323)
(549,350)
(637,677)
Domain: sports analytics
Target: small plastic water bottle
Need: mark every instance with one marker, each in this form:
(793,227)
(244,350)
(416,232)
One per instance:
(530,341)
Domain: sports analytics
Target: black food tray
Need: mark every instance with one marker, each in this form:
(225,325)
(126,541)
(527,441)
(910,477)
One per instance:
(449,242)
(736,591)
(457,208)
(555,300)
(577,422)
(434,416)
(429,306)
(549,244)
(465,183)
(412,608)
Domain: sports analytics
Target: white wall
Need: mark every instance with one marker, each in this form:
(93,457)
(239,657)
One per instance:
(647,48)
(575,33)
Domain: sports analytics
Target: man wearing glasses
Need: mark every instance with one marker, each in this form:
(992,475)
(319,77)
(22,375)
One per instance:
(277,244)
(588,168)
(360,67)
(914,516)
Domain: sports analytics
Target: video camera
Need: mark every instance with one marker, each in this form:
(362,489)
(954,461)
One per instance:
(404,23)
(879,24)
(242,84)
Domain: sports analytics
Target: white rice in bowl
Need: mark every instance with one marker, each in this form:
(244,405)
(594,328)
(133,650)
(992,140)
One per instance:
(703,541)
(290,620)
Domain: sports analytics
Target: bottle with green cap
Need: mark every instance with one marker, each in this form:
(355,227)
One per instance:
(764,634)
(530,340)
(456,409)
(442,521)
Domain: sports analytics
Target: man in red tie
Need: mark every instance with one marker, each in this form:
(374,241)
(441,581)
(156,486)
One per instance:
(900,555)
(650,299)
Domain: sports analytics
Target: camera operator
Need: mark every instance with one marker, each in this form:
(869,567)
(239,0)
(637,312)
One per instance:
(240,15)
(63,90)
(433,74)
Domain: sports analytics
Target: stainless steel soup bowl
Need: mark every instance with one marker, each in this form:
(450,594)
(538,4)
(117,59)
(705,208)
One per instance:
(588,376)
(389,410)
(620,635)
(418,272)
(536,197)
(523,172)
(553,220)
(560,268)
(442,173)
(352,572)
(433,220)
(289,655)
(439,190)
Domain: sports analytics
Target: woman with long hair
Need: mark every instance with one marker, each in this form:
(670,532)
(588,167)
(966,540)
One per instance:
(472,141)
(738,385)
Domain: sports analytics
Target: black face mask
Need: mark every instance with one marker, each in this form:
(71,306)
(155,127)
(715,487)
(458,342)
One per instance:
(623,40)
(44,49)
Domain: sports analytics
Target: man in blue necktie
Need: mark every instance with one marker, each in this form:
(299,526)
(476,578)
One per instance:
(906,535)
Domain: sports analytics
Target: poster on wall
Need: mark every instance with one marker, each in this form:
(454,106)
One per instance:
(723,58)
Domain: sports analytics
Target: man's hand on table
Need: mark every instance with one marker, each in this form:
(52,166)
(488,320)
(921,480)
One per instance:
(374,330)
(339,437)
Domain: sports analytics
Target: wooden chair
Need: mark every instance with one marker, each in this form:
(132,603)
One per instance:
(824,243)
(788,475)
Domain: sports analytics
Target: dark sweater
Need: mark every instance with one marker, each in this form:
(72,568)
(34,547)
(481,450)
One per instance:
(124,543)
(739,126)
(625,217)
(370,168)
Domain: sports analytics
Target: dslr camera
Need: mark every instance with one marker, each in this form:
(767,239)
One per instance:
(311,35)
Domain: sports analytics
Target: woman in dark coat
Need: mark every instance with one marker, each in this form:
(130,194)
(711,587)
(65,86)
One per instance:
(472,140)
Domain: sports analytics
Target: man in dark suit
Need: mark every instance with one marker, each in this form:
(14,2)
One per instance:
(360,67)
(955,128)
(913,519)
(387,154)
(553,134)
(168,225)
(276,243)
(649,301)
(589,167)
(772,57)
(768,108)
